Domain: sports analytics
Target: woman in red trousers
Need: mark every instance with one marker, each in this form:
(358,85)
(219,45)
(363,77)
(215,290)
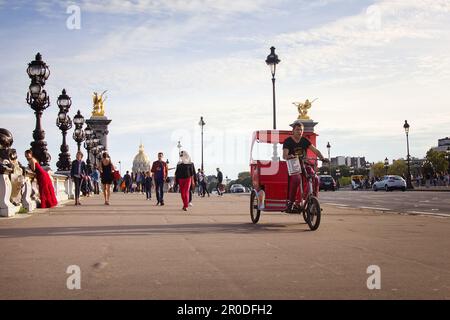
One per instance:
(184,176)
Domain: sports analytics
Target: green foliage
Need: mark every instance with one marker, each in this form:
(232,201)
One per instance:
(243,175)
(244,178)
(23,210)
(399,168)
(344,181)
(438,160)
(378,169)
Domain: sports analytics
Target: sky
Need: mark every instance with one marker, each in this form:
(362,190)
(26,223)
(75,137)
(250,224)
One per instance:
(165,63)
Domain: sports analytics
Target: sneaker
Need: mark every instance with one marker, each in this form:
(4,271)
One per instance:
(162,203)
(289,207)
(157,203)
(190,204)
(184,209)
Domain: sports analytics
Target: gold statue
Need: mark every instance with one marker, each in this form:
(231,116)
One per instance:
(99,108)
(303,109)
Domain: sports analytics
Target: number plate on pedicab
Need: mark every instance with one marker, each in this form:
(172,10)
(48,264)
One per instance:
(293,166)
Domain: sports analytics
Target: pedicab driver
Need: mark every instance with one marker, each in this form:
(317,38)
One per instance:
(296,146)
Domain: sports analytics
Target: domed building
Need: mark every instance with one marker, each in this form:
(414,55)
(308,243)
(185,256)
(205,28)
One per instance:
(141,161)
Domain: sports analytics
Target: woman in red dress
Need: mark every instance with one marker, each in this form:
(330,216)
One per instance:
(46,190)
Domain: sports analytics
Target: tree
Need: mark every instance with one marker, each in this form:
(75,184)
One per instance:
(399,168)
(437,160)
(378,169)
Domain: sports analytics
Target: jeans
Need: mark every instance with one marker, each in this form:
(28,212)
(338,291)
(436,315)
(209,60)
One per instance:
(148,192)
(159,189)
(77,182)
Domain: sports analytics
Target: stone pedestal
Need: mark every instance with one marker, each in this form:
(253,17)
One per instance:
(28,203)
(99,126)
(7,209)
(59,183)
(69,187)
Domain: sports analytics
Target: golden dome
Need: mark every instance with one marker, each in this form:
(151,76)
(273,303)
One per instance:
(141,161)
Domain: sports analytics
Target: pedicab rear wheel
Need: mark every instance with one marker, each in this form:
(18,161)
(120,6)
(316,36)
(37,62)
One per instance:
(255,213)
(313,213)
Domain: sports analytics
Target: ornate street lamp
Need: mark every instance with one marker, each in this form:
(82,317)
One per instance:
(408,178)
(329,157)
(64,123)
(38,100)
(78,133)
(89,144)
(386,165)
(202,124)
(272,61)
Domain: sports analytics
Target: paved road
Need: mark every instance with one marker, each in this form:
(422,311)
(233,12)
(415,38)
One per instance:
(436,203)
(135,250)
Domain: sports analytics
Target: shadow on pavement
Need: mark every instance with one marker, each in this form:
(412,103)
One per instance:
(146,230)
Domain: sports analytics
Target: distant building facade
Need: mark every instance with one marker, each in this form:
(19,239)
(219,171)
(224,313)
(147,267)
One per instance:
(355,162)
(443,145)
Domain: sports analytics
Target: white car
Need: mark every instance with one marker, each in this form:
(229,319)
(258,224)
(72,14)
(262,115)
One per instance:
(389,183)
(237,188)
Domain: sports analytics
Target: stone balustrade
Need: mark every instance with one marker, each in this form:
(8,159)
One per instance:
(63,185)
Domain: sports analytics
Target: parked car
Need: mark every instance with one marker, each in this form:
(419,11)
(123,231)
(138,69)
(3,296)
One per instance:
(235,188)
(390,183)
(326,183)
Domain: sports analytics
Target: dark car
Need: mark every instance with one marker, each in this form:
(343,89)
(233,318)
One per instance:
(326,183)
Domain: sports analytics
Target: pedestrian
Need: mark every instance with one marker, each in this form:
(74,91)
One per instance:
(46,189)
(116,180)
(159,171)
(185,176)
(127,181)
(106,171)
(95,178)
(204,185)
(219,182)
(77,172)
(148,182)
(199,179)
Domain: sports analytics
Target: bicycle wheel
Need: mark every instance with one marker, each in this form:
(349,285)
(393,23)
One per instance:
(313,213)
(254,212)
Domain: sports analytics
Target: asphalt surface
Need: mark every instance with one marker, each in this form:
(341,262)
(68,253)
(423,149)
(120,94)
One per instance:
(426,203)
(135,250)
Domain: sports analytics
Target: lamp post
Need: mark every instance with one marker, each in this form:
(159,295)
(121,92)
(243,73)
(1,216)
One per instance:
(329,157)
(88,144)
(202,124)
(64,123)
(448,159)
(408,178)
(272,61)
(78,133)
(38,100)
(120,166)
(179,147)
(386,165)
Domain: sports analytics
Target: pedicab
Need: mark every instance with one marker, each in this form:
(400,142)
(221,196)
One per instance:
(269,173)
